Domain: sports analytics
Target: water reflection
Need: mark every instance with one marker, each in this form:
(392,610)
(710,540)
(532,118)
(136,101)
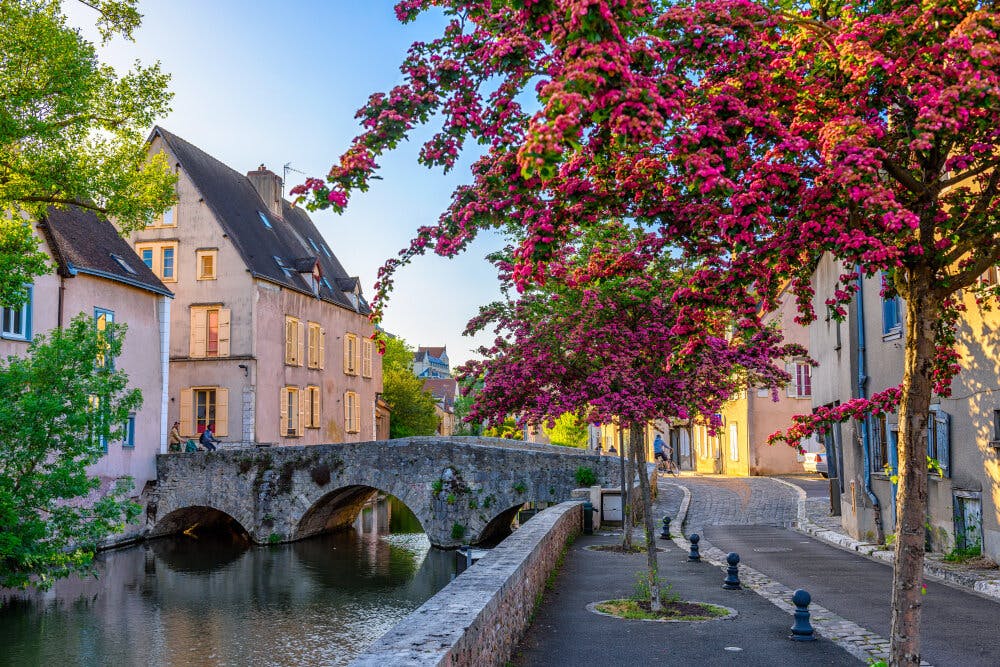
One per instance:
(218,601)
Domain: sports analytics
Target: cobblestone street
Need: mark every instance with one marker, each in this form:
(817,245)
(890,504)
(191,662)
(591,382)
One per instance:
(737,502)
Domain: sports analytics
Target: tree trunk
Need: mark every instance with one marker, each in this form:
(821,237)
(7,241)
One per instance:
(638,446)
(922,312)
(626,482)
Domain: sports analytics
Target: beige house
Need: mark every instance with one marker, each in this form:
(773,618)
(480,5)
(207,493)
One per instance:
(740,447)
(270,338)
(98,274)
(863,355)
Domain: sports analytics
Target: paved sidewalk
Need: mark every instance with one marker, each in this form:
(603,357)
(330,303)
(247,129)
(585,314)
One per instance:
(565,633)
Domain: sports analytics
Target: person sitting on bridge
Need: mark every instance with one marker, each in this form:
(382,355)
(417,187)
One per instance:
(175,437)
(208,439)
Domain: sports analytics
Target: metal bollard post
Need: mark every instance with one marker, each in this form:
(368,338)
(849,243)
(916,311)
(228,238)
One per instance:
(695,555)
(732,582)
(665,535)
(802,630)
(588,518)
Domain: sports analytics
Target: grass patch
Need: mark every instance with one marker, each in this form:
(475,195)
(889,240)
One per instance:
(671,611)
(963,555)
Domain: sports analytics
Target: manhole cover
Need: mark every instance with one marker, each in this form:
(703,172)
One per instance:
(771,550)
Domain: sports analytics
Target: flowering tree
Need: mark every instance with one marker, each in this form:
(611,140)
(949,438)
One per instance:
(755,134)
(616,342)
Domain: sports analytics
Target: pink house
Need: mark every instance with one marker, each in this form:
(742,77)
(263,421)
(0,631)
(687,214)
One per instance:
(98,274)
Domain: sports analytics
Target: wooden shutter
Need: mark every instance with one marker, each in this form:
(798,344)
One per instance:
(347,354)
(314,418)
(199,330)
(300,343)
(289,342)
(313,345)
(224,319)
(347,411)
(357,413)
(790,389)
(283,411)
(366,358)
(221,411)
(942,424)
(301,423)
(322,348)
(357,355)
(186,417)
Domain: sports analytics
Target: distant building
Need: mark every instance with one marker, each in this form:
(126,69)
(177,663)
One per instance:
(431,362)
(445,391)
(270,338)
(98,274)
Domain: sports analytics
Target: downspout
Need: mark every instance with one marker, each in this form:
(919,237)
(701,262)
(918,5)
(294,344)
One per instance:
(163,311)
(863,393)
(59,308)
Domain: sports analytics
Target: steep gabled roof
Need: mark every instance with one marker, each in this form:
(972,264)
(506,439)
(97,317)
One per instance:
(292,238)
(444,390)
(83,242)
(437,352)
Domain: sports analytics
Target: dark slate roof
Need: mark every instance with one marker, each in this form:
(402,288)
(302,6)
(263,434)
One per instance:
(293,237)
(83,242)
(444,390)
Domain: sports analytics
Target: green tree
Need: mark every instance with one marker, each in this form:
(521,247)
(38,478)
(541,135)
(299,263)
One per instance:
(72,131)
(412,408)
(569,431)
(62,402)
(463,405)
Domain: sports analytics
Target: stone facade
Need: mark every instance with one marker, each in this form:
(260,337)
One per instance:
(479,618)
(463,490)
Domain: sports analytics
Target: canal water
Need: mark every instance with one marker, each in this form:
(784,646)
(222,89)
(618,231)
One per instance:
(215,600)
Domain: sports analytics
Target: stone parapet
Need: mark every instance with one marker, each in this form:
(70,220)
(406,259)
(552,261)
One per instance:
(479,618)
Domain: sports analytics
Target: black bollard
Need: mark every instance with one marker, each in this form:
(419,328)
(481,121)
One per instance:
(802,630)
(732,582)
(695,555)
(665,535)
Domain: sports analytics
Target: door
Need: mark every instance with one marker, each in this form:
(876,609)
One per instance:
(680,439)
(968,520)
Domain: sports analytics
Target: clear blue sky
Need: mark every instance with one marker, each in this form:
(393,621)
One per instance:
(277,82)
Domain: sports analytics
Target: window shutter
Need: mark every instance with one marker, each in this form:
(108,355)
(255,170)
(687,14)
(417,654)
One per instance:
(199,329)
(790,389)
(942,422)
(347,411)
(315,407)
(366,360)
(322,348)
(301,423)
(221,411)
(313,345)
(283,420)
(224,318)
(289,342)
(347,354)
(300,344)
(186,417)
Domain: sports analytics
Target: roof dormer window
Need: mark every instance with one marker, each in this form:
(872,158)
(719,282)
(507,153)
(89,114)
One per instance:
(122,263)
(280,262)
(265,220)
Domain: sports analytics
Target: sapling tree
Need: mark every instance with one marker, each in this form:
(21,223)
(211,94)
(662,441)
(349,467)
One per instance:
(63,402)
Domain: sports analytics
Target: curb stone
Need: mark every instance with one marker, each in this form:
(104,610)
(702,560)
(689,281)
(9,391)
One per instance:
(987,587)
(856,640)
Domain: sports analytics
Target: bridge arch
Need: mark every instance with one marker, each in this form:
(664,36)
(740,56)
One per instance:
(338,510)
(197,518)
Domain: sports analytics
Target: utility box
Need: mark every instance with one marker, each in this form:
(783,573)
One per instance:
(611,506)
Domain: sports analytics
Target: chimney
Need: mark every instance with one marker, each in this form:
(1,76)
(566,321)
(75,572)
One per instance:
(268,186)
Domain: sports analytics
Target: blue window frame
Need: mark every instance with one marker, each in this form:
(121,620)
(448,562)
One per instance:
(129,440)
(168,263)
(264,219)
(147,257)
(17,321)
(892,312)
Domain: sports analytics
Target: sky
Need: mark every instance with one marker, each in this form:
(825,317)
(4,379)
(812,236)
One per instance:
(279,82)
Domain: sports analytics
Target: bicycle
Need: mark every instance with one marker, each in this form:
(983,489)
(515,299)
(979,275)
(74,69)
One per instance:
(665,464)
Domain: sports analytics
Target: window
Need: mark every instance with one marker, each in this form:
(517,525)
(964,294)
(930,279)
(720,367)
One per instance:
(160,258)
(996,425)
(207,261)
(879,443)
(264,219)
(939,438)
(312,407)
(892,312)
(17,321)
(102,318)
(800,385)
(734,442)
(202,406)
(352,412)
(122,263)
(128,441)
(989,277)
(210,326)
(367,348)
(351,354)
(166,219)
(763,392)
(291,409)
(294,341)
(317,345)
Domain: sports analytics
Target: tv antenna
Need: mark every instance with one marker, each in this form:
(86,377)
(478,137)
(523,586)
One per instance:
(284,176)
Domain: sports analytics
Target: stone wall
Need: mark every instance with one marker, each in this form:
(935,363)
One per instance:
(479,618)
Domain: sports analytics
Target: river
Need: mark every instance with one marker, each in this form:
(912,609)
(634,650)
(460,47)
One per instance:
(215,600)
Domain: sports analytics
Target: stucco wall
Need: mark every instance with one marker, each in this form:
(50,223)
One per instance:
(478,619)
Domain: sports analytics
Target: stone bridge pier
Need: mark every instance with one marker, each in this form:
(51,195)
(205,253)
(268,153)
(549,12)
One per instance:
(464,490)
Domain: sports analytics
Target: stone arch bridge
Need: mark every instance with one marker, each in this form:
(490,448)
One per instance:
(462,489)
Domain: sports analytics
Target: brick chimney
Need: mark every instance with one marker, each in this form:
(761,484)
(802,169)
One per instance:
(268,186)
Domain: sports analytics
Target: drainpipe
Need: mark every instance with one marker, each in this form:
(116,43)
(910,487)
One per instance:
(59,308)
(163,311)
(863,393)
